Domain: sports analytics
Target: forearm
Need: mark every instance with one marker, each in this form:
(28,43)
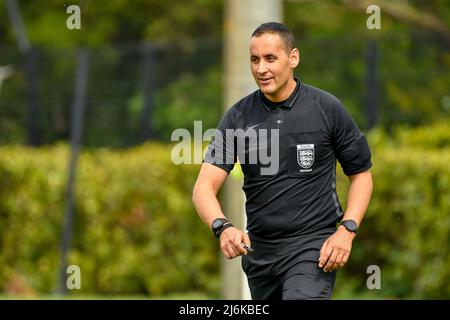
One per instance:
(359,195)
(206,204)
(336,249)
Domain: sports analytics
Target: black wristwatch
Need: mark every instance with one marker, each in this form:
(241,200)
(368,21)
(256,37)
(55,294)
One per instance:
(219,225)
(350,225)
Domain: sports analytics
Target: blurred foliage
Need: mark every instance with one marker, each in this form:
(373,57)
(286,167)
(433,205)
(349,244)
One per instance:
(186,100)
(413,64)
(406,95)
(115,94)
(136,231)
(406,230)
(116,21)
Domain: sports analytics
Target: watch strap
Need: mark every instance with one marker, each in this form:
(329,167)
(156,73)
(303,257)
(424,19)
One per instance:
(225,226)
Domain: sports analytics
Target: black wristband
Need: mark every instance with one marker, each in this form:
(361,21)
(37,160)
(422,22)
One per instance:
(226,225)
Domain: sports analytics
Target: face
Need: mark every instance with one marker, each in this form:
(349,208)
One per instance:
(272,67)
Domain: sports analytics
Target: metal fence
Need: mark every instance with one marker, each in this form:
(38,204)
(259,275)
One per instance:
(137,92)
(37,101)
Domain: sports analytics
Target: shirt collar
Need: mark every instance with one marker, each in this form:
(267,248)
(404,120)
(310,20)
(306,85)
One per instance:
(288,103)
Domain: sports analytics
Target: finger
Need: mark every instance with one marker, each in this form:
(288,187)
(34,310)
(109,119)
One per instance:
(247,240)
(241,250)
(338,263)
(331,260)
(326,253)
(322,250)
(234,252)
(238,243)
(228,238)
(247,244)
(228,252)
(344,259)
(225,252)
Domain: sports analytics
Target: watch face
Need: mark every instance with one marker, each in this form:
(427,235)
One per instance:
(217,224)
(350,225)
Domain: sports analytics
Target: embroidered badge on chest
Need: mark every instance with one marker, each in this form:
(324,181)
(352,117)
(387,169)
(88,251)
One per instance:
(305,155)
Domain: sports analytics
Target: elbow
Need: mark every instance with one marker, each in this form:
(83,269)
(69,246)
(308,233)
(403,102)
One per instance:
(368,177)
(196,193)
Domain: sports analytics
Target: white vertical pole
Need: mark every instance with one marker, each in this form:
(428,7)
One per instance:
(242,17)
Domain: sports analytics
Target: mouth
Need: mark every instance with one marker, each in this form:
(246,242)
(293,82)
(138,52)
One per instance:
(264,81)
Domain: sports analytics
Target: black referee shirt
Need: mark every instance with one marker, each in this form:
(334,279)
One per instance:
(314,130)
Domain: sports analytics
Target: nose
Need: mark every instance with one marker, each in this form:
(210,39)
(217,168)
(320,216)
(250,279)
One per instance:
(261,69)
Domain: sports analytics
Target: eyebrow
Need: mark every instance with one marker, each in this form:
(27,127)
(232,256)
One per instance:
(269,55)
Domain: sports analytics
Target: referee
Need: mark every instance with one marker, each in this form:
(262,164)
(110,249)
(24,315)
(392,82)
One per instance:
(298,232)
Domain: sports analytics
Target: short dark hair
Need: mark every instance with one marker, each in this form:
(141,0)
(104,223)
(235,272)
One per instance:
(282,30)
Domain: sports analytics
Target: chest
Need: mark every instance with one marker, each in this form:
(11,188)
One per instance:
(297,141)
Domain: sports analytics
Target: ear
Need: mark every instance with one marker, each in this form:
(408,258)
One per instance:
(294,57)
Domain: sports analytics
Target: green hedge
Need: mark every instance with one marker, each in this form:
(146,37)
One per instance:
(135,228)
(136,231)
(406,230)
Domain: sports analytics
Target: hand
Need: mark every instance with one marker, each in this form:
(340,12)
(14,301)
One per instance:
(232,241)
(336,250)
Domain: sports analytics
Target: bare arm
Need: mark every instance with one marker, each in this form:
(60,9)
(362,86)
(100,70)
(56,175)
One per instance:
(336,249)
(359,195)
(204,197)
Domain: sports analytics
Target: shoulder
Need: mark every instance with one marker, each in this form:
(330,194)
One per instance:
(238,111)
(322,97)
(331,108)
(243,105)
(246,101)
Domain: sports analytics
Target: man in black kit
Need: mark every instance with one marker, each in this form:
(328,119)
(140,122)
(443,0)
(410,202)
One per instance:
(296,226)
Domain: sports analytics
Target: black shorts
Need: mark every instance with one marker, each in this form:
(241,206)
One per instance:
(288,269)
(304,280)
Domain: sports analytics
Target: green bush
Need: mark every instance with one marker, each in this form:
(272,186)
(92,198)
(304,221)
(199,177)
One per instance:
(406,230)
(136,231)
(185,100)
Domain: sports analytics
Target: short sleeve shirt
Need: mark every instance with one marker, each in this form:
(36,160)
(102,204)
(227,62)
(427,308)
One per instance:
(295,194)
